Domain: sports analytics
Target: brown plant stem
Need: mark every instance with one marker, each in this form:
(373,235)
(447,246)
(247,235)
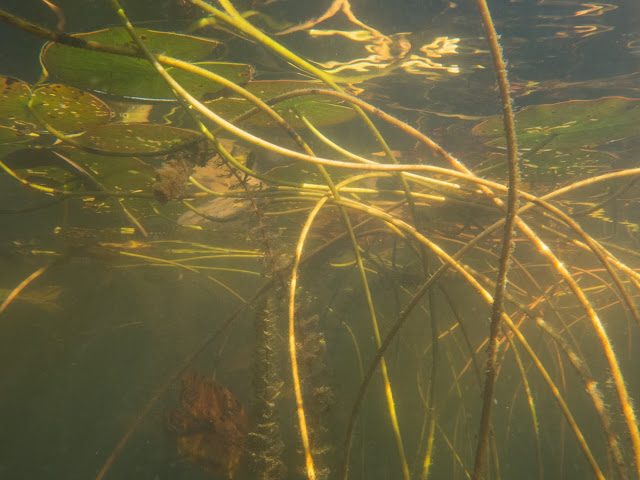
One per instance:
(507,240)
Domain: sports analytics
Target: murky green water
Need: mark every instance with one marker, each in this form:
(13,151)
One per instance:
(177,306)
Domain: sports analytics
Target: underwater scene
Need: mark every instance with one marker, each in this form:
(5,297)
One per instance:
(317,240)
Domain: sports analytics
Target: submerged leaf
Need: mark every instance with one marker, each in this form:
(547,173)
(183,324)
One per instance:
(210,426)
(15,135)
(568,125)
(135,77)
(69,109)
(318,109)
(558,140)
(42,166)
(71,169)
(140,138)
(125,174)
(16,122)
(14,96)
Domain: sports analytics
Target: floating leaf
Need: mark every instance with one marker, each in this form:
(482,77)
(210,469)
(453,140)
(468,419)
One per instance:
(318,109)
(558,139)
(15,135)
(568,125)
(129,112)
(135,77)
(69,109)
(14,96)
(43,167)
(238,73)
(124,174)
(16,122)
(71,169)
(137,138)
(550,166)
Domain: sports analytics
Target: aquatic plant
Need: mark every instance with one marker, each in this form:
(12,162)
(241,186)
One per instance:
(456,286)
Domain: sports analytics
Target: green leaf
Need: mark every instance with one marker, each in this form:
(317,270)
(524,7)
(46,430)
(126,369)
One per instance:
(567,126)
(10,135)
(117,174)
(550,167)
(135,77)
(318,109)
(49,167)
(69,109)
(14,96)
(238,73)
(43,167)
(16,122)
(126,174)
(559,140)
(137,138)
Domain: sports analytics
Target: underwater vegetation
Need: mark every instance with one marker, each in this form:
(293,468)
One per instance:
(259,240)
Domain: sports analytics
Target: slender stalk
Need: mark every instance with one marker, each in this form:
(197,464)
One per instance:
(21,286)
(507,239)
(594,392)
(453,262)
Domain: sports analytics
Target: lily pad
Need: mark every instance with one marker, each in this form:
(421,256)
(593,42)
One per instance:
(125,174)
(93,172)
(16,122)
(567,126)
(137,138)
(117,175)
(135,77)
(550,167)
(559,140)
(15,135)
(69,109)
(318,109)
(43,167)
(14,96)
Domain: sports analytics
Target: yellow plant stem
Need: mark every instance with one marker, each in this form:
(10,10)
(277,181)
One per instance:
(507,239)
(26,183)
(303,429)
(71,140)
(236,20)
(293,283)
(532,406)
(310,468)
(486,232)
(452,261)
(372,313)
(593,391)
(186,267)
(618,379)
(24,284)
(616,374)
